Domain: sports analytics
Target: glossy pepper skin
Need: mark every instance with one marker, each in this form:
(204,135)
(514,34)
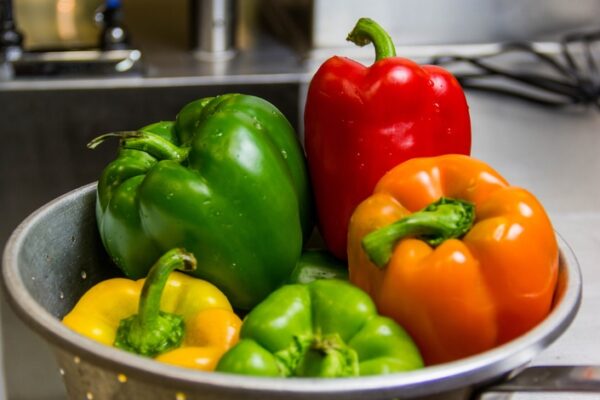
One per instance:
(326,328)
(362,121)
(227,181)
(204,325)
(316,264)
(473,291)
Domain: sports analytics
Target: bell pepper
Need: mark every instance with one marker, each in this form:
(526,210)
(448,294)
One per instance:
(227,181)
(452,252)
(325,328)
(362,121)
(316,264)
(173,317)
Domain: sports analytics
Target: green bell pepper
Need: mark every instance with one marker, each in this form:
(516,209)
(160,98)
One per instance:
(316,264)
(227,181)
(326,328)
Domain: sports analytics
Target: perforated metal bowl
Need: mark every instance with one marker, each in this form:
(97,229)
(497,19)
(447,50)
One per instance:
(55,255)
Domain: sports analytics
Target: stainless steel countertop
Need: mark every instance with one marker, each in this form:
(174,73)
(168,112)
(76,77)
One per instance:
(265,62)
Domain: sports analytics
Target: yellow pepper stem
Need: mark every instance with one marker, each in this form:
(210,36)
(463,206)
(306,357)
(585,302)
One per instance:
(151,331)
(441,220)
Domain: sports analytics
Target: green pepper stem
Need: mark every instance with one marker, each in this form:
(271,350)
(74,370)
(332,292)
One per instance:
(368,31)
(150,143)
(156,280)
(321,356)
(439,221)
(151,331)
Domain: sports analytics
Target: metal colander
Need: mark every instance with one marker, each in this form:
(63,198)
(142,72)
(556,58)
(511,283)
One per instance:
(55,255)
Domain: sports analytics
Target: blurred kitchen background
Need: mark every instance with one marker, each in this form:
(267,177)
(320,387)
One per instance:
(73,69)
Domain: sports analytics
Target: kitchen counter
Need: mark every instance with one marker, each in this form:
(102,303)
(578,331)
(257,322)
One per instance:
(556,155)
(553,153)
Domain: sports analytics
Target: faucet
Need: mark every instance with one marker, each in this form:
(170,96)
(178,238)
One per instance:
(212,29)
(11,40)
(114,36)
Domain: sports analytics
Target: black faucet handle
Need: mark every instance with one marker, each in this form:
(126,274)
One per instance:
(114,35)
(11,39)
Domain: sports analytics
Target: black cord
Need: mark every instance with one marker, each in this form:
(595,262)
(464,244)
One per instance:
(530,98)
(569,83)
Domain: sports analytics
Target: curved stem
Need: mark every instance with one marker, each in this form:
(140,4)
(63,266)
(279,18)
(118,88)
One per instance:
(439,221)
(368,31)
(149,306)
(150,143)
(152,331)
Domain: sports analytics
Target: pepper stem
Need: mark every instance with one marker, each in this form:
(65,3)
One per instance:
(152,331)
(150,143)
(327,357)
(368,31)
(441,220)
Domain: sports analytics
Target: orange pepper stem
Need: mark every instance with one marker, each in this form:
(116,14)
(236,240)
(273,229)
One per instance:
(151,331)
(441,220)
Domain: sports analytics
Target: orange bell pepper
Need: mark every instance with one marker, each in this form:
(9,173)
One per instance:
(209,335)
(457,256)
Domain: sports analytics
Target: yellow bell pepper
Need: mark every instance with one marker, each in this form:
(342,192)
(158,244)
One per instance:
(173,317)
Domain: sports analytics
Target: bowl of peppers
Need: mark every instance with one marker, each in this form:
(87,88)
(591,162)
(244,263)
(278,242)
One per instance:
(193,269)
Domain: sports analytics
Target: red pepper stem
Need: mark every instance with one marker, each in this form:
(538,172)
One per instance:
(150,143)
(439,221)
(151,331)
(368,31)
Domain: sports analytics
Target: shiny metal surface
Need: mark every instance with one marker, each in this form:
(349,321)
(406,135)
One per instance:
(214,29)
(55,255)
(168,68)
(552,379)
(431,22)
(69,64)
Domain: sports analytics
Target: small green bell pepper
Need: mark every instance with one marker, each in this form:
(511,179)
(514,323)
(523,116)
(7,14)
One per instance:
(227,181)
(326,328)
(316,264)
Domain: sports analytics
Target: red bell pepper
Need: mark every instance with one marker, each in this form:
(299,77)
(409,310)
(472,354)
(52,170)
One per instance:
(362,121)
